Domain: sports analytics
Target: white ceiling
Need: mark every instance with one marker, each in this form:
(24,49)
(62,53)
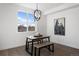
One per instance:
(41,6)
(47,8)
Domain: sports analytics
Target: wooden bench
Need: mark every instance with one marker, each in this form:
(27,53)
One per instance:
(42,45)
(37,41)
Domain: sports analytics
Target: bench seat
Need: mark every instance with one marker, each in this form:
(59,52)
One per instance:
(43,44)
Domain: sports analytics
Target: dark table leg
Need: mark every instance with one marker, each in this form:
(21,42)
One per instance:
(35,51)
(27,47)
(26,44)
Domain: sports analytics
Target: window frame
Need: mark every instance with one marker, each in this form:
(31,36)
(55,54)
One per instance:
(27,23)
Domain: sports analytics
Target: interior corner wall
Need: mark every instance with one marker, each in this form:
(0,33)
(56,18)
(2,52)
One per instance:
(71,37)
(9,35)
(42,25)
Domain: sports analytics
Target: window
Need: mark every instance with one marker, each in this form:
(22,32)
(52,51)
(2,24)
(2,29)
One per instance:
(25,22)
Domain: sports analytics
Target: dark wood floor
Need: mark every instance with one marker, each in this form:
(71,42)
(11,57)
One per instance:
(59,50)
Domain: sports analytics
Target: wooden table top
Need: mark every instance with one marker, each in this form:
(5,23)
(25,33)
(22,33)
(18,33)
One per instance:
(33,38)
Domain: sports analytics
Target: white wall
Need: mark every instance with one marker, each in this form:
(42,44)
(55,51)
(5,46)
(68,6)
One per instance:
(71,37)
(42,25)
(9,35)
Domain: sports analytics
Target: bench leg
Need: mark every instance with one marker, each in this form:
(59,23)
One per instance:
(49,47)
(52,47)
(35,51)
(39,52)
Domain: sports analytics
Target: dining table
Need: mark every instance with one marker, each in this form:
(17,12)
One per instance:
(32,39)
